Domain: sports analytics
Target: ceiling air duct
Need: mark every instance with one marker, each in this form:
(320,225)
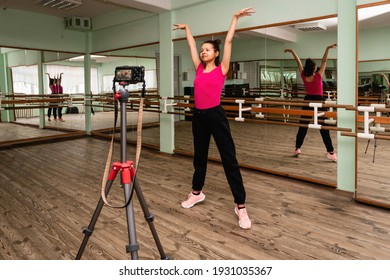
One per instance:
(61,4)
(314,26)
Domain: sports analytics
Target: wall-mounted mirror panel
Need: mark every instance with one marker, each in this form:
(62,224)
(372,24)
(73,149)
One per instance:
(373,175)
(148,57)
(23,101)
(261,69)
(67,70)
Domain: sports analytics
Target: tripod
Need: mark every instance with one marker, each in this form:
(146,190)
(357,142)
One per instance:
(375,145)
(127,176)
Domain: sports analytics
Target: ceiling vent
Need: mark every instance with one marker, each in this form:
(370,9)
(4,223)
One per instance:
(61,4)
(78,23)
(315,26)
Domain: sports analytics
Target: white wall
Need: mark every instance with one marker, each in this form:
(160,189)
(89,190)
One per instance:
(35,31)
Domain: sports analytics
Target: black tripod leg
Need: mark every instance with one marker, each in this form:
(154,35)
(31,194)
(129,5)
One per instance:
(133,246)
(149,218)
(89,230)
(373,156)
(368,143)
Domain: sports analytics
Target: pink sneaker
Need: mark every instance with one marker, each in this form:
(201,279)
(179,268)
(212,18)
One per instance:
(297,152)
(193,199)
(331,157)
(243,219)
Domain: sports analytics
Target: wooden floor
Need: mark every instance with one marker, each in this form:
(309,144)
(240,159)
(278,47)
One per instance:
(265,147)
(49,192)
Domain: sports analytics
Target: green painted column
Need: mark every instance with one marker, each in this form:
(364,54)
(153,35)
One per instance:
(3,83)
(346,93)
(87,81)
(167,128)
(40,86)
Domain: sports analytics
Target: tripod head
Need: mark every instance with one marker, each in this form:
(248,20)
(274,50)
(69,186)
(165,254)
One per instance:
(122,95)
(126,75)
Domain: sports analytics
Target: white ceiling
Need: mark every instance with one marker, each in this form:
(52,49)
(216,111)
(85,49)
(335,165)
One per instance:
(94,8)
(377,16)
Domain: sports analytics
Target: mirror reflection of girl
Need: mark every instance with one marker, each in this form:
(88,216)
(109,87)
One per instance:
(312,79)
(209,118)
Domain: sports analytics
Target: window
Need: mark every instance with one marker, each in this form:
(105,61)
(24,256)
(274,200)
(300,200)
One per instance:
(72,79)
(25,79)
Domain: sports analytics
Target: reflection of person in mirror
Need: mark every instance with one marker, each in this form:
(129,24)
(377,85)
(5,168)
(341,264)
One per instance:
(209,118)
(56,89)
(312,79)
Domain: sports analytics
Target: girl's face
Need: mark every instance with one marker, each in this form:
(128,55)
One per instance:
(207,53)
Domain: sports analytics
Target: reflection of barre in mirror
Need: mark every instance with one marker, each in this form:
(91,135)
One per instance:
(376,128)
(165,105)
(283,95)
(287,112)
(259,115)
(30,102)
(187,109)
(240,110)
(331,120)
(375,131)
(262,110)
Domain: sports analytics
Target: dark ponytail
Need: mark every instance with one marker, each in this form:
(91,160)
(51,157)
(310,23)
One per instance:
(309,68)
(215,43)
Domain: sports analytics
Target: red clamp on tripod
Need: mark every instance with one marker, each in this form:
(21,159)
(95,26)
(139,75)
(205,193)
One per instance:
(127,171)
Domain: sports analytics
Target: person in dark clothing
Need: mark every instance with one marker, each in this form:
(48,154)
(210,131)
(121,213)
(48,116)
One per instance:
(312,78)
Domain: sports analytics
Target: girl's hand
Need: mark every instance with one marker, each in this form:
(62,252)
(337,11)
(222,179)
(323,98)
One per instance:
(332,46)
(288,50)
(244,12)
(180,26)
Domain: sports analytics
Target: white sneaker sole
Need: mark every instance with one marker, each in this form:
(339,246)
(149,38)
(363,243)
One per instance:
(190,206)
(330,158)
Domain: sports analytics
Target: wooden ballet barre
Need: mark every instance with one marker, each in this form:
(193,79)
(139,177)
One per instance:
(20,95)
(187,97)
(296,124)
(38,100)
(325,104)
(374,136)
(27,107)
(289,119)
(296,112)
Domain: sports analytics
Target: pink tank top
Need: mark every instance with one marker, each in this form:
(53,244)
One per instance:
(314,87)
(208,87)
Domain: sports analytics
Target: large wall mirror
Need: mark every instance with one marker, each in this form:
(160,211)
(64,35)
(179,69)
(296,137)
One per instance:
(148,57)
(23,91)
(261,69)
(22,69)
(373,90)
